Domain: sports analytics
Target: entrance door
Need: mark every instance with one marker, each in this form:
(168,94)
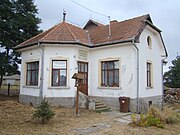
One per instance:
(83,69)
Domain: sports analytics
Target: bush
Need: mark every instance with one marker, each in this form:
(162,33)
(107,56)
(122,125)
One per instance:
(155,117)
(43,112)
(170,116)
(154,121)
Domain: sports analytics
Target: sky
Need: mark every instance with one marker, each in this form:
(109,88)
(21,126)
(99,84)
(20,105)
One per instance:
(165,14)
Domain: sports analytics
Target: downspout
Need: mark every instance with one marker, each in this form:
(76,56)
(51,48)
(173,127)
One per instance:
(163,79)
(41,73)
(137,67)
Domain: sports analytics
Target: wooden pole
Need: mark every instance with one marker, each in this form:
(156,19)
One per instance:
(8,88)
(77,101)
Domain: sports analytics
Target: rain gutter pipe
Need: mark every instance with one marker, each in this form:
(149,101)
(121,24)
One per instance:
(163,58)
(41,73)
(137,67)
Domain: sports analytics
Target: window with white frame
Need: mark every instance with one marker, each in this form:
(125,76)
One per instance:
(110,73)
(149,74)
(32,73)
(59,73)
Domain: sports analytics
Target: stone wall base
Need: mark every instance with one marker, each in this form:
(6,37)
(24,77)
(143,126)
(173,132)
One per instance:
(111,102)
(53,101)
(144,103)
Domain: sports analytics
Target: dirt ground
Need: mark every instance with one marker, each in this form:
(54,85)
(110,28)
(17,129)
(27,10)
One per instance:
(16,119)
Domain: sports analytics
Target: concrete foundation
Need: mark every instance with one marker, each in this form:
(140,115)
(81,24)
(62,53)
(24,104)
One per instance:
(145,103)
(85,102)
(53,101)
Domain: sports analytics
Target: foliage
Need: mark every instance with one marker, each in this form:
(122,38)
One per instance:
(155,117)
(172,77)
(134,119)
(18,22)
(170,116)
(43,112)
(154,121)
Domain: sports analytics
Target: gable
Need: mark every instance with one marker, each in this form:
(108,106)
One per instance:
(92,24)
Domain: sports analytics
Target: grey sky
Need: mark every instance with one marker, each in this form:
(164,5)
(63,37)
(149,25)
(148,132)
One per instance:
(165,14)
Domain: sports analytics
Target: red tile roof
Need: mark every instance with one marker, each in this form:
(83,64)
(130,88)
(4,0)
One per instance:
(65,32)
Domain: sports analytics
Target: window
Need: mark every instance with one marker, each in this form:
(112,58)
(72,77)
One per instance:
(149,74)
(149,42)
(110,73)
(59,72)
(32,73)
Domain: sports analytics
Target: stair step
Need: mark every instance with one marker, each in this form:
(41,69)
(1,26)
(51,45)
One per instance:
(101,106)
(97,104)
(97,101)
(103,109)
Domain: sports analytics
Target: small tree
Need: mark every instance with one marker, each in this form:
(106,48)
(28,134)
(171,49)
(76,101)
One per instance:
(43,112)
(172,77)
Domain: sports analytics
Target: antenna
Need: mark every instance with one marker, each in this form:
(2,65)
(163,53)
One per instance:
(109,26)
(64,15)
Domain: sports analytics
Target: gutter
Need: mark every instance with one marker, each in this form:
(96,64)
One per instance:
(163,79)
(137,67)
(74,42)
(41,73)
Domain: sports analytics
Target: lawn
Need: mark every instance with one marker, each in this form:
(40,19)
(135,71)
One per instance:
(16,119)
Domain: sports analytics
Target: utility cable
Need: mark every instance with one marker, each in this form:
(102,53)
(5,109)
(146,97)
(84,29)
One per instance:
(89,9)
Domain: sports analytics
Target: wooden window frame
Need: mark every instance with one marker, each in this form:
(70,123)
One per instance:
(35,81)
(149,74)
(59,70)
(108,70)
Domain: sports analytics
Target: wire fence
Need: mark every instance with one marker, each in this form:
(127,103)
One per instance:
(10,90)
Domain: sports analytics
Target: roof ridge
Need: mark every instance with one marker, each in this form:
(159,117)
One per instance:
(71,31)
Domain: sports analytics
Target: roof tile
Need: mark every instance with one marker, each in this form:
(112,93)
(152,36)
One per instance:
(64,31)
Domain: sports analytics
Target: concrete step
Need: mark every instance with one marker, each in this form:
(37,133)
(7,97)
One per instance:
(98,104)
(105,109)
(100,107)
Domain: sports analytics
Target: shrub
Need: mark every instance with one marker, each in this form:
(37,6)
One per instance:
(170,116)
(155,117)
(154,121)
(43,112)
(133,119)
(155,112)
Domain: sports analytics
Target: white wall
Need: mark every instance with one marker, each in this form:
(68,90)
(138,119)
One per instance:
(152,54)
(29,56)
(125,54)
(59,53)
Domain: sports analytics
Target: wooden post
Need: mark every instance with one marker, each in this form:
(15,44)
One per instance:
(77,101)
(8,88)
(78,77)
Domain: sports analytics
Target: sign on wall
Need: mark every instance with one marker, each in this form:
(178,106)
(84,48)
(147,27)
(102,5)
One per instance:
(82,54)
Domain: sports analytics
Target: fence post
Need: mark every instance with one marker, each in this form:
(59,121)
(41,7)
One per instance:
(8,88)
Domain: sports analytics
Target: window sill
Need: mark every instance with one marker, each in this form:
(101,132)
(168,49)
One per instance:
(148,88)
(58,88)
(110,88)
(28,86)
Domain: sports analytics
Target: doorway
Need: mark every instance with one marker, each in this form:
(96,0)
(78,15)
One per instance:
(83,69)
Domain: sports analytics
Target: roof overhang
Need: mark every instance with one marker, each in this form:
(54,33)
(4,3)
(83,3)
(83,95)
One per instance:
(73,43)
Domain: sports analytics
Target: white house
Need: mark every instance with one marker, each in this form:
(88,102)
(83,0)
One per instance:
(121,59)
